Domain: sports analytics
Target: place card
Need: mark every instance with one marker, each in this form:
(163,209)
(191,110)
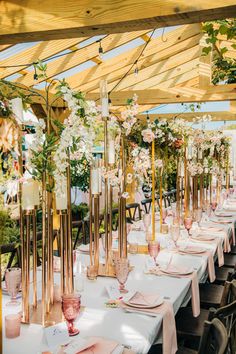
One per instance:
(113,291)
(56,335)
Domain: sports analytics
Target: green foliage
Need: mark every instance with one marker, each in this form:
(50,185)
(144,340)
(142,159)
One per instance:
(224,68)
(80,173)
(80,211)
(9,231)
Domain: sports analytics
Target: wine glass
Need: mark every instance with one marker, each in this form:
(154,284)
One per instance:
(70,309)
(188,221)
(13,283)
(213,205)
(153,249)
(122,272)
(147,221)
(175,233)
(198,216)
(164,215)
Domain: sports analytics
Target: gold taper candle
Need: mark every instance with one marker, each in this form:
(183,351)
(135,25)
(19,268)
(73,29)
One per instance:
(153,189)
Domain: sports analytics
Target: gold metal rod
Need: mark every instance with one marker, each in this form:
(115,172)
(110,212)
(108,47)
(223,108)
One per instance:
(153,189)
(210,177)
(90,222)
(186,185)
(161,200)
(34,259)
(69,227)
(123,201)
(120,233)
(66,260)
(96,230)
(27,270)
(110,217)
(21,220)
(106,225)
(201,190)
(62,262)
(44,230)
(178,188)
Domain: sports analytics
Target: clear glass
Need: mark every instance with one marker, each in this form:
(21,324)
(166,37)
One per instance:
(13,283)
(122,272)
(198,216)
(71,308)
(92,272)
(164,215)
(147,221)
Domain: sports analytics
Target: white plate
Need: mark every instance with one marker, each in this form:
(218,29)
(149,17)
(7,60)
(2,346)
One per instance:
(192,250)
(177,271)
(221,215)
(158,302)
(203,238)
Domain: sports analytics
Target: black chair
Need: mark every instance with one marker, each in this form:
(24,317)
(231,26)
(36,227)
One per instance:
(190,328)
(134,209)
(214,339)
(13,250)
(79,225)
(147,204)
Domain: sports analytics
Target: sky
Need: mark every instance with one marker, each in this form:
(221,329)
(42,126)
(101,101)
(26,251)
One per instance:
(167,108)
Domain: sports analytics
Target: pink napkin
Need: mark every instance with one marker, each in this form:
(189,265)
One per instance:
(233,233)
(227,247)
(168,324)
(220,253)
(210,261)
(178,272)
(101,346)
(139,299)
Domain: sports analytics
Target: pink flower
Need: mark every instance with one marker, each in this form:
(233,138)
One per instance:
(148,135)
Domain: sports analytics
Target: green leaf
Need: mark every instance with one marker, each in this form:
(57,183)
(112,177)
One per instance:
(223,29)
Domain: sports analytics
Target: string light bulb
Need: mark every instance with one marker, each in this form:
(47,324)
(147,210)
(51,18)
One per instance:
(35,73)
(100,50)
(136,69)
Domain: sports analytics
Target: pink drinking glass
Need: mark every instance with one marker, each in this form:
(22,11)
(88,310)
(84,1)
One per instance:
(164,215)
(13,283)
(153,249)
(188,223)
(175,233)
(147,221)
(122,272)
(70,309)
(213,205)
(198,216)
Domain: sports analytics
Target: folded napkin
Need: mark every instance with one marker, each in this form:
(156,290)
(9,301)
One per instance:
(233,233)
(84,248)
(168,323)
(179,272)
(210,261)
(216,230)
(205,239)
(147,300)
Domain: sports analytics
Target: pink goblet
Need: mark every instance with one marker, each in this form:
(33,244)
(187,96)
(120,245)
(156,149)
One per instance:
(213,205)
(122,272)
(13,283)
(153,249)
(175,233)
(188,223)
(198,216)
(70,309)
(164,215)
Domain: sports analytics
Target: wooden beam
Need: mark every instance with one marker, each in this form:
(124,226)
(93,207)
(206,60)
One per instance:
(86,53)
(176,41)
(173,95)
(204,64)
(5,46)
(40,51)
(215,116)
(27,20)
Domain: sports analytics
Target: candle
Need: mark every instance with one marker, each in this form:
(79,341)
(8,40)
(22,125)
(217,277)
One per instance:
(30,194)
(17,108)
(12,325)
(200,154)
(100,180)
(189,151)
(111,151)
(61,201)
(105,107)
(95,181)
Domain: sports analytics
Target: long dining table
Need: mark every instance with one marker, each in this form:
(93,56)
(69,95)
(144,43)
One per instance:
(134,330)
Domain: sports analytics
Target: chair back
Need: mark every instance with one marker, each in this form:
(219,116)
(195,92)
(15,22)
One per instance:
(214,339)
(147,203)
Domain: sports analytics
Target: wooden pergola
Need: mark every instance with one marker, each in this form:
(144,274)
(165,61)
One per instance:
(171,68)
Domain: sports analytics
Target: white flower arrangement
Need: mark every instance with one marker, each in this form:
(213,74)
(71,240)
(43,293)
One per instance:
(195,168)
